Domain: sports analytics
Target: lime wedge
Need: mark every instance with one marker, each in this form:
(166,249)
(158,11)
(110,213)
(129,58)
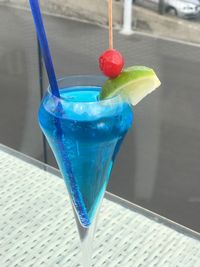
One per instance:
(133,84)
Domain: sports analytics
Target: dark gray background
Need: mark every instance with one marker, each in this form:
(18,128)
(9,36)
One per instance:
(159,164)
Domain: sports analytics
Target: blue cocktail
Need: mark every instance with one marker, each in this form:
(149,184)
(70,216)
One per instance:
(85,135)
(85,120)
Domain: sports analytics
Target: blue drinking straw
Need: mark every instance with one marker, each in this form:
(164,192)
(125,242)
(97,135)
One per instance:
(44,46)
(79,204)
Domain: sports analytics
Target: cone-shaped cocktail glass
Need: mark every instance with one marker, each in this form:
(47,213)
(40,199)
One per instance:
(86,124)
(85,135)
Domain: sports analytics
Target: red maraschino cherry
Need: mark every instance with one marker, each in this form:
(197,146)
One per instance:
(111,63)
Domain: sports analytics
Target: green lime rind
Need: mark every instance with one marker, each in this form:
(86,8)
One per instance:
(133,84)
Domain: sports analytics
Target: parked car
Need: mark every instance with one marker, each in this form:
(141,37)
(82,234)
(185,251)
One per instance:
(183,8)
(180,8)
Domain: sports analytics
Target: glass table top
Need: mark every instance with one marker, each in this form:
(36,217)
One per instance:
(37,227)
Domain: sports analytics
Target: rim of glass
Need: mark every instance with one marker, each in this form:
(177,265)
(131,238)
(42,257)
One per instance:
(113,99)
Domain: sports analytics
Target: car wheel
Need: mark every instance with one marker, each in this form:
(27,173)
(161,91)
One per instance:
(172,11)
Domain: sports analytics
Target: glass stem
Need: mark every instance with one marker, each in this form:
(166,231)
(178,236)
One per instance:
(86,236)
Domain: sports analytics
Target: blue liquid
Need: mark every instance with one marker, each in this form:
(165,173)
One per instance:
(85,138)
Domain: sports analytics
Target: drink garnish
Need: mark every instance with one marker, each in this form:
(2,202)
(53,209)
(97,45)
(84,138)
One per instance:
(133,84)
(111,63)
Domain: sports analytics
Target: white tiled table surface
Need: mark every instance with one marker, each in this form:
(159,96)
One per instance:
(37,227)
